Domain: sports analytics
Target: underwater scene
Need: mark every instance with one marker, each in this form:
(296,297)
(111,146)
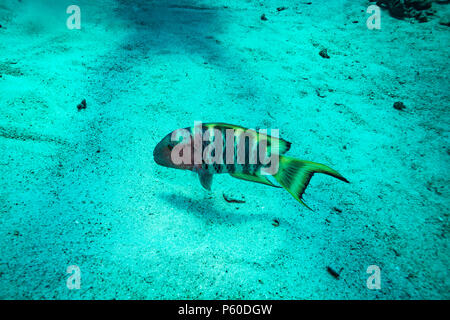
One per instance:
(227,149)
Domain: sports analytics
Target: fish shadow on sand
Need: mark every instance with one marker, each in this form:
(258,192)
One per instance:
(208,209)
(212,213)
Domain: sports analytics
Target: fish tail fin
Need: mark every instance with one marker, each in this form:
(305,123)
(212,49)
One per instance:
(294,175)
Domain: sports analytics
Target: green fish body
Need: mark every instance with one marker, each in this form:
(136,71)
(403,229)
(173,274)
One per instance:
(243,153)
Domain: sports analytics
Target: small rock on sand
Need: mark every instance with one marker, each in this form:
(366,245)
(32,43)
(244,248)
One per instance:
(399,106)
(82,105)
(324,54)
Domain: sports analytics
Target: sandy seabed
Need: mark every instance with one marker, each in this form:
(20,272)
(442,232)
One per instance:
(80,187)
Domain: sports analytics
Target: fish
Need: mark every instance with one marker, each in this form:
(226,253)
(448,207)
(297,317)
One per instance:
(247,154)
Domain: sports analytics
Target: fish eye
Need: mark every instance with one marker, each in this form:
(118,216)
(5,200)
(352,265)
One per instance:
(170,147)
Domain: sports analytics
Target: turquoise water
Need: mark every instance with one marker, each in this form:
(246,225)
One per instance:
(79,186)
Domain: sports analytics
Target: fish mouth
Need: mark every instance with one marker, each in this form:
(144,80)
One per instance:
(161,155)
(158,155)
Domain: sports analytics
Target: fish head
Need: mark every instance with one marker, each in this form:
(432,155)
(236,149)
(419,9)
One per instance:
(165,152)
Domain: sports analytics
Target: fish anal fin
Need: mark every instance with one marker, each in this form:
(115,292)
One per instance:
(253,178)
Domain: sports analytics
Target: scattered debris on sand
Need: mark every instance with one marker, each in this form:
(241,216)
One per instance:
(324,54)
(333,272)
(399,106)
(231,200)
(82,105)
(335,209)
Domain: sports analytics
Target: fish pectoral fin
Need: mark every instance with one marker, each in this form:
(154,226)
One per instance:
(206,180)
(254,178)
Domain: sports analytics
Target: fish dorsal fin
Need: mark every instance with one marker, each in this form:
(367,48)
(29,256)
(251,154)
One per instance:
(254,178)
(283,145)
(206,180)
